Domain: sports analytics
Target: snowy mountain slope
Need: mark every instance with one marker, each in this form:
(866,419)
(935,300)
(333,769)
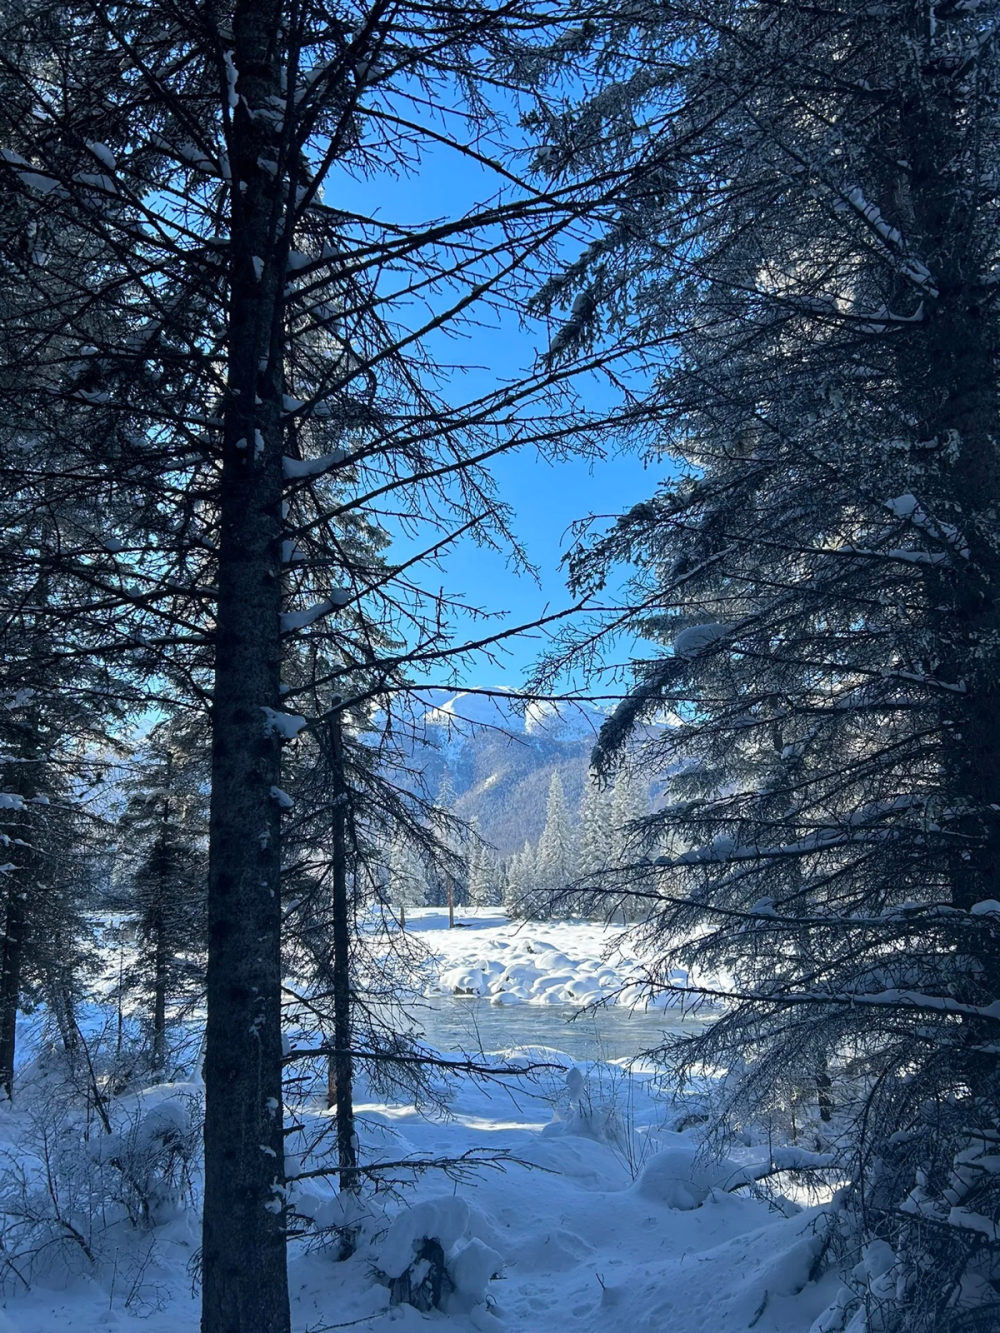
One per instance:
(497,708)
(499,758)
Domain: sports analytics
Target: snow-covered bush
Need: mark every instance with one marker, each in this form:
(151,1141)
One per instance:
(679,1176)
(81,1194)
(150,1158)
(599,1104)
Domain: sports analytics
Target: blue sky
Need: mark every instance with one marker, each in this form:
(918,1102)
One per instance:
(546,496)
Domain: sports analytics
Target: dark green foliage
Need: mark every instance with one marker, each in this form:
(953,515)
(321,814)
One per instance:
(162,875)
(808,223)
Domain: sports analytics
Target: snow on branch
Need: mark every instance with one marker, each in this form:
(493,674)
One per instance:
(285,725)
(295,620)
(294,469)
(910,267)
(908,508)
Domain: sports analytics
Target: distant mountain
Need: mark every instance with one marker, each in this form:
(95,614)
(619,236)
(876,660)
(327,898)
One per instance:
(500,759)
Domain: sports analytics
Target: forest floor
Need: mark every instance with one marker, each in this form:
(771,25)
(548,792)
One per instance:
(598,1212)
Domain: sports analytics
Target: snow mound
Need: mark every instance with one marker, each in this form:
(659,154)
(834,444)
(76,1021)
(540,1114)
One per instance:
(508,966)
(551,1250)
(680,1177)
(444,1219)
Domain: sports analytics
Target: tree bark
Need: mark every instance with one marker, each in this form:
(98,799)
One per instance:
(343,1070)
(159,993)
(245,1282)
(10,983)
(952,375)
(824,1092)
(166,866)
(60,1001)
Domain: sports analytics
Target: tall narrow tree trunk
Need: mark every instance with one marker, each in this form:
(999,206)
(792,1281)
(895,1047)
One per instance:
(60,1001)
(331,1075)
(159,994)
(120,1032)
(449,882)
(245,1282)
(343,1062)
(16,921)
(824,1092)
(950,360)
(10,983)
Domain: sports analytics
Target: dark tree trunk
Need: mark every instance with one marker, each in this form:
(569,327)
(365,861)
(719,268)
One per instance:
(160,960)
(331,1076)
(10,983)
(167,869)
(824,1093)
(245,1283)
(952,371)
(343,1072)
(61,1003)
(16,922)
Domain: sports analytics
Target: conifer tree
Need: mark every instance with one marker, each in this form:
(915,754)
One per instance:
(451,865)
(630,834)
(50,843)
(213,358)
(596,844)
(808,219)
(164,830)
(407,877)
(519,897)
(556,854)
(483,882)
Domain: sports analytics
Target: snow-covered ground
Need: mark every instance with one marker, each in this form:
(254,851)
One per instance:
(598,1213)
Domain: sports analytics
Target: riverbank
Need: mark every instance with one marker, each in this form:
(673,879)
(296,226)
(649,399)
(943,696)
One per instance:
(577,1192)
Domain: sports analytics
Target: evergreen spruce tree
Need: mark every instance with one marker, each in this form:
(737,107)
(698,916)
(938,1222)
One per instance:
(407,877)
(450,860)
(556,855)
(483,888)
(164,832)
(51,842)
(520,892)
(808,218)
(596,845)
(215,368)
(630,833)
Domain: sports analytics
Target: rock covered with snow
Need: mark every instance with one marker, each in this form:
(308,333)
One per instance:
(437,1227)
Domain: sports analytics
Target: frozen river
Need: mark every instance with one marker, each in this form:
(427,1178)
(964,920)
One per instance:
(569,985)
(615,1033)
